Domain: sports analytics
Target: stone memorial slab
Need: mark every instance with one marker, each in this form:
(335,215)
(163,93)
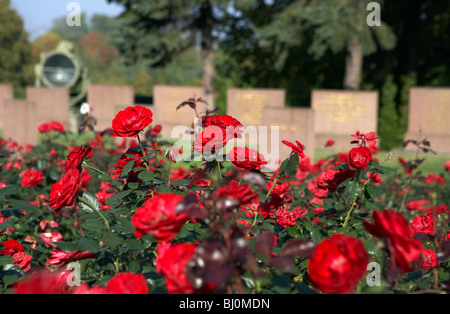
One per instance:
(19,125)
(428,117)
(51,104)
(294,124)
(247,105)
(338,114)
(166,98)
(6,92)
(104,99)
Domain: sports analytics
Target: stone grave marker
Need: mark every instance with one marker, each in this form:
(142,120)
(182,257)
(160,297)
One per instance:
(6,92)
(428,117)
(338,114)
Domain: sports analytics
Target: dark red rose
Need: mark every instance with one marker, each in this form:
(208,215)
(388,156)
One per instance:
(359,157)
(15,250)
(76,157)
(331,178)
(61,258)
(32,178)
(338,264)
(392,226)
(244,158)
(64,192)
(244,192)
(158,216)
(171,263)
(131,121)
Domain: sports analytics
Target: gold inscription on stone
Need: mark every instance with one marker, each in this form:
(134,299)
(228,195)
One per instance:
(250,107)
(342,107)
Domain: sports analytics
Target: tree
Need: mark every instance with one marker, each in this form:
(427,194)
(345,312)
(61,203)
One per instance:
(15,49)
(335,25)
(158,31)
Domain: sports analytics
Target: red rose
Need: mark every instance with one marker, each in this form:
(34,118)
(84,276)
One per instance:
(2,220)
(61,258)
(231,127)
(49,237)
(131,121)
(171,263)
(337,264)
(423,224)
(331,178)
(243,192)
(286,218)
(158,216)
(121,283)
(299,148)
(32,178)
(359,157)
(447,165)
(212,139)
(399,237)
(76,156)
(15,250)
(64,192)
(127,283)
(244,158)
(50,126)
(125,159)
(43,282)
(429,259)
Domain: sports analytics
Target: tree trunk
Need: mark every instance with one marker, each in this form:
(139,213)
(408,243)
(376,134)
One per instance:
(207,46)
(353,64)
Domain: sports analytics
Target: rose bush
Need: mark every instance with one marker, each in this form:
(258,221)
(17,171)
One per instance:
(131,217)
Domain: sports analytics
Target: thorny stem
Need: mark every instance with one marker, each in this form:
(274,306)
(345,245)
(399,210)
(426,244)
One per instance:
(347,217)
(265,198)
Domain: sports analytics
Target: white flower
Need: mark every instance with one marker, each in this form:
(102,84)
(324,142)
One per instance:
(85,108)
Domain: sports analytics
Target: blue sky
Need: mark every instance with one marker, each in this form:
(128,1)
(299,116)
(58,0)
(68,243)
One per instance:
(39,14)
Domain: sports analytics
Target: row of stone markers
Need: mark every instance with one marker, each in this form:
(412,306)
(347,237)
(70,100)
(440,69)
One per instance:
(333,114)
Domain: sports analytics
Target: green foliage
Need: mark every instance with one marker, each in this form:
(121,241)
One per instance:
(15,50)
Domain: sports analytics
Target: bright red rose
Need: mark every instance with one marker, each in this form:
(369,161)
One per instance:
(210,140)
(43,282)
(423,224)
(231,128)
(447,165)
(61,258)
(338,264)
(392,226)
(244,158)
(127,283)
(131,121)
(32,178)
(429,259)
(121,283)
(286,218)
(359,157)
(64,192)
(171,263)
(158,216)
(50,126)
(15,250)
(299,148)
(76,157)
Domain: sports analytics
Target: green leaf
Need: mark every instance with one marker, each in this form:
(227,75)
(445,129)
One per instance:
(88,202)
(9,190)
(90,245)
(352,189)
(134,267)
(67,246)
(112,241)
(22,205)
(94,225)
(146,175)
(292,165)
(127,168)
(133,244)
(6,260)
